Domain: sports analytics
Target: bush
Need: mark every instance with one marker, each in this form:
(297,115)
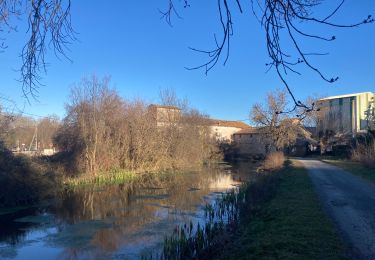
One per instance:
(364,154)
(103,131)
(22,181)
(274,161)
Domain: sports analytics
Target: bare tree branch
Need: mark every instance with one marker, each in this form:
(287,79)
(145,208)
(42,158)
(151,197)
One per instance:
(277,17)
(49,26)
(49,23)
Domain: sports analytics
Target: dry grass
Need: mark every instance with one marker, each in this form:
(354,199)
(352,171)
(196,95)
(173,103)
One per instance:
(365,154)
(274,161)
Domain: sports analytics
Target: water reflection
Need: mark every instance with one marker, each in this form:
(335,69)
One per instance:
(120,220)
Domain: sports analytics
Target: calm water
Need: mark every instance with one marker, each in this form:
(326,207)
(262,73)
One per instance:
(117,221)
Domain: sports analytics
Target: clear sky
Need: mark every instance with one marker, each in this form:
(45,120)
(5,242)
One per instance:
(128,41)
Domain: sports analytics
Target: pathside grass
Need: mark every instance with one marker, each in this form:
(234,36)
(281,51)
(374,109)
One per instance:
(355,168)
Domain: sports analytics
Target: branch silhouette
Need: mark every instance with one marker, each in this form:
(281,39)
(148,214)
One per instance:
(276,17)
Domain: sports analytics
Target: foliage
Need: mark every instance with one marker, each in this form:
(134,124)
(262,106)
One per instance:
(22,181)
(104,178)
(18,131)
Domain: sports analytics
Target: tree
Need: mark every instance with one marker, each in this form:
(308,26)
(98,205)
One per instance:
(370,116)
(5,120)
(280,19)
(49,23)
(47,128)
(310,118)
(279,129)
(104,132)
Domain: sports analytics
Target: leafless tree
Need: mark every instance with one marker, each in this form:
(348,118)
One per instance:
(281,21)
(49,25)
(310,118)
(5,120)
(47,128)
(370,115)
(279,129)
(103,132)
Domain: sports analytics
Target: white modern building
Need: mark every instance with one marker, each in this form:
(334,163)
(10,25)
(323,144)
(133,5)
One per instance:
(347,114)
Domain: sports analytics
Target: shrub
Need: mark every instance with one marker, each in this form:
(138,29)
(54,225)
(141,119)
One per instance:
(274,161)
(22,180)
(364,154)
(103,131)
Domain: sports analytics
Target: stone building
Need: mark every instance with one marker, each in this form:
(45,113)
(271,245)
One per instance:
(164,115)
(250,142)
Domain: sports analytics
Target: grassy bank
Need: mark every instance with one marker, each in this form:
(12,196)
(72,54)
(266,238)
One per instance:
(112,177)
(355,168)
(290,225)
(277,217)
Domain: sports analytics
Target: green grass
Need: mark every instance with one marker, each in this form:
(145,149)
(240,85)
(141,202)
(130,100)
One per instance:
(117,176)
(291,225)
(279,216)
(112,177)
(355,168)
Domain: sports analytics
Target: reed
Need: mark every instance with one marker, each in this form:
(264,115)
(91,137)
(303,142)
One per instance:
(116,176)
(224,215)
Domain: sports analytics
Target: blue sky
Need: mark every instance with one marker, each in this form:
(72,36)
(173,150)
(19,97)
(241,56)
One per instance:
(128,41)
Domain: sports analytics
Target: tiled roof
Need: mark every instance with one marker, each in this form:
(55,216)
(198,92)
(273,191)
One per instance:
(162,106)
(249,130)
(225,123)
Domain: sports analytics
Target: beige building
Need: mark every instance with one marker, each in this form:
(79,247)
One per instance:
(223,130)
(346,114)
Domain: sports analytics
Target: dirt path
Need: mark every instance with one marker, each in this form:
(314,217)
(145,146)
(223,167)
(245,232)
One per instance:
(350,201)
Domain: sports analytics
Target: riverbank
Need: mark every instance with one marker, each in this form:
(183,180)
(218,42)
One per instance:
(277,217)
(354,168)
(24,181)
(116,221)
(27,180)
(290,225)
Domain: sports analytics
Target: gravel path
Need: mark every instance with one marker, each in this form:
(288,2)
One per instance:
(350,201)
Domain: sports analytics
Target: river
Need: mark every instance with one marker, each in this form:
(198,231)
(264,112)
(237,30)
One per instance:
(116,221)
